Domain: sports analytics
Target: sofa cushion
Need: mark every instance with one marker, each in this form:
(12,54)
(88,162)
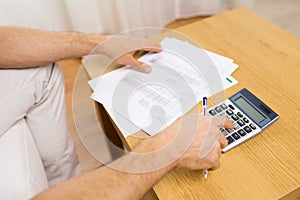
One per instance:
(21,169)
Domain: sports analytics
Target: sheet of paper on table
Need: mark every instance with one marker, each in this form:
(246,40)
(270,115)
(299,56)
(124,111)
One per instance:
(181,75)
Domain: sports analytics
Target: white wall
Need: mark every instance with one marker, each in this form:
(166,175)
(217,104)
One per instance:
(103,16)
(42,14)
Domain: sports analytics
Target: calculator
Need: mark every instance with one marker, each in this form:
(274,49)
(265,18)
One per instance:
(249,115)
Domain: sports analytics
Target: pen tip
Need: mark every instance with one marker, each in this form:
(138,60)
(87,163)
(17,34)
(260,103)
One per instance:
(204,100)
(205,174)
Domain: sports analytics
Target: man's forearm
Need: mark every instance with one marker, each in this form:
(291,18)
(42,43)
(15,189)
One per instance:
(21,47)
(109,183)
(105,183)
(177,146)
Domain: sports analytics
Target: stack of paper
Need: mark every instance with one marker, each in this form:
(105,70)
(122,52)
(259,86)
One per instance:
(181,75)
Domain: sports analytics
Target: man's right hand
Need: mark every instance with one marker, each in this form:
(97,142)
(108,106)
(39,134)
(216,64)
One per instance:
(207,127)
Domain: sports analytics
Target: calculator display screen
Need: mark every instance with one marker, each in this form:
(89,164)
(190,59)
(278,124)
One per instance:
(250,109)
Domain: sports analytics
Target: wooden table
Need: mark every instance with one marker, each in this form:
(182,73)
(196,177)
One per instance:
(267,166)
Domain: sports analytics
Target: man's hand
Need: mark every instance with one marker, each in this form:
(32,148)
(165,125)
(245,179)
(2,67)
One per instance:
(191,142)
(121,50)
(207,127)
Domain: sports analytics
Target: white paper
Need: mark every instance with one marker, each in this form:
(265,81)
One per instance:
(178,81)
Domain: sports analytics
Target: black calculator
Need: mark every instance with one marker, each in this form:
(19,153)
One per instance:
(249,115)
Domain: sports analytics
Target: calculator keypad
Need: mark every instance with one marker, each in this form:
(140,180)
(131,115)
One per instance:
(244,127)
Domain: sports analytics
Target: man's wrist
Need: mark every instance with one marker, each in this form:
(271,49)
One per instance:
(162,145)
(87,43)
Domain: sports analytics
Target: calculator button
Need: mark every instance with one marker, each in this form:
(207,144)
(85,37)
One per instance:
(218,109)
(241,123)
(222,114)
(240,114)
(224,131)
(229,130)
(224,106)
(242,132)
(246,120)
(247,129)
(236,126)
(230,106)
(229,112)
(236,136)
(230,139)
(252,126)
(234,117)
(212,112)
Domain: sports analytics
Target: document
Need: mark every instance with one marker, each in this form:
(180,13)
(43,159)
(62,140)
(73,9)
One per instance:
(181,75)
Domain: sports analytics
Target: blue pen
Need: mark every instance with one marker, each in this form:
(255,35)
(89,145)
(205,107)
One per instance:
(204,108)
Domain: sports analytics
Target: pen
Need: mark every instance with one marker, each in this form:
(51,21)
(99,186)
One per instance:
(204,108)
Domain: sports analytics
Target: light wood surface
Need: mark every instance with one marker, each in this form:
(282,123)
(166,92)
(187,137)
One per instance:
(267,166)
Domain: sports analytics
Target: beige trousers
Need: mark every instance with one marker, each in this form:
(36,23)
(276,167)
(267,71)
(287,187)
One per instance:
(37,96)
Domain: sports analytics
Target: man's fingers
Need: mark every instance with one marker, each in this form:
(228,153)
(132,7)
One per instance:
(130,60)
(144,68)
(222,122)
(140,66)
(228,124)
(147,45)
(217,165)
(223,141)
(132,45)
(153,49)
